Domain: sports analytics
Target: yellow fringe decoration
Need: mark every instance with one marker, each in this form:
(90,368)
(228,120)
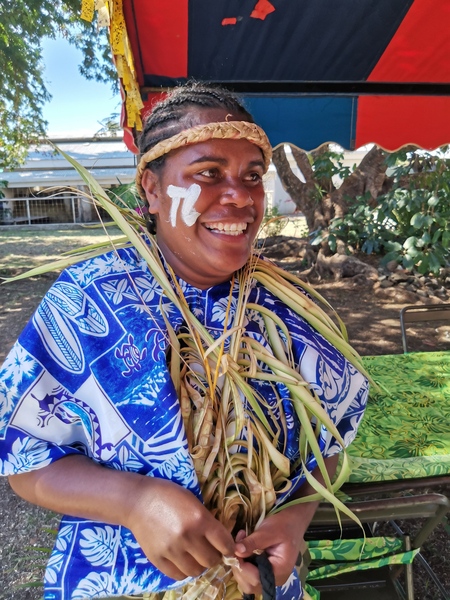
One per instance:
(87,10)
(110,13)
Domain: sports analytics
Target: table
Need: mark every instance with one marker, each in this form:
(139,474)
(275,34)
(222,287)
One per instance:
(405,432)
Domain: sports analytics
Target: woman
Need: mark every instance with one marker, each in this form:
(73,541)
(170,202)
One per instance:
(91,424)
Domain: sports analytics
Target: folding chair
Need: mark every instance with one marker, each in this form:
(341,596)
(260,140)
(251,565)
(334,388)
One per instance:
(431,506)
(421,314)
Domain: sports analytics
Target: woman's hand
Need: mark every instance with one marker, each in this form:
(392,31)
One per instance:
(176,532)
(281,537)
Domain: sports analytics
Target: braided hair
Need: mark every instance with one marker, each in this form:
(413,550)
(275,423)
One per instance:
(172,115)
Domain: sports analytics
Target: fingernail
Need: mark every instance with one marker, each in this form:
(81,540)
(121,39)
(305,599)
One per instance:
(240,548)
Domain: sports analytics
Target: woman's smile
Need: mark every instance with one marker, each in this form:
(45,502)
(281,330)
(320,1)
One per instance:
(233,229)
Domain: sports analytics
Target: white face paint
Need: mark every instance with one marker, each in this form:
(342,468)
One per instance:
(190,196)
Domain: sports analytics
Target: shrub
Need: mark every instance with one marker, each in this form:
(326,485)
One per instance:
(409,224)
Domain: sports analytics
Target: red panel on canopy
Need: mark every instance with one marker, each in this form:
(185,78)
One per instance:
(420,50)
(158,32)
(419,120)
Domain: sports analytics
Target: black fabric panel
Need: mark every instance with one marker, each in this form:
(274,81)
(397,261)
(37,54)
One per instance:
(317,88)
(304,40)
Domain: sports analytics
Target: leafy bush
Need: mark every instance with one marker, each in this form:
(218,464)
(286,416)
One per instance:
(409,224)
(328,164)
(3,184)
(273,222)
(126,194)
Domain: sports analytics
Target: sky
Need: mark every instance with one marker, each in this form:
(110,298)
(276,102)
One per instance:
(77,104)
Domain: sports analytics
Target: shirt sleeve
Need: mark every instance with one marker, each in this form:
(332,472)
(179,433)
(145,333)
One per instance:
(28,439)
(53,396)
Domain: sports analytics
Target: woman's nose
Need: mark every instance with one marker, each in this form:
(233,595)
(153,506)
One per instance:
(238,194)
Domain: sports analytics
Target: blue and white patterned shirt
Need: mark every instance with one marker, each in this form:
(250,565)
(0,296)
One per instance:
(89,376)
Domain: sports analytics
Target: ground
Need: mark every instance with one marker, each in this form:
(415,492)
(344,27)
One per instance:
(372,320)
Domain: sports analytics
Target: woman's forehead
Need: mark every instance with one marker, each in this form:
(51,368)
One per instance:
(221,151)
(198,115)
(228,130)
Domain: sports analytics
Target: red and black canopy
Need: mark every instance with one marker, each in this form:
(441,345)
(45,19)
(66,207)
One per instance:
(311,71)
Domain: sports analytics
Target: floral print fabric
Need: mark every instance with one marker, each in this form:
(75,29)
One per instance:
(330,558)
(89,376)
(405,432)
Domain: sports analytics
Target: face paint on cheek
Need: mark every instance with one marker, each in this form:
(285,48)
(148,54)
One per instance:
(190,196)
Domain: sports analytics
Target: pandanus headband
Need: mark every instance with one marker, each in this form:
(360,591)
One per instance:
(228,130)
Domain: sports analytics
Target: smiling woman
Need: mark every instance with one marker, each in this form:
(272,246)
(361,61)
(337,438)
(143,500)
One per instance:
(172,409)
(217,162)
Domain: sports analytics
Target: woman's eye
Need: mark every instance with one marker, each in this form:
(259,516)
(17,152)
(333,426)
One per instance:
(209,173)
(255,177)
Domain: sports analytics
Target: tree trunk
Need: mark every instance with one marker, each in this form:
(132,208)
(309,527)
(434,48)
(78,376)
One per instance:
(320,202)
(320,207)
(368,178)
(304,194)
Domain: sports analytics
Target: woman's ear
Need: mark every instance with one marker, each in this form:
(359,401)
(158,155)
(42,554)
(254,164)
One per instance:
(150,183)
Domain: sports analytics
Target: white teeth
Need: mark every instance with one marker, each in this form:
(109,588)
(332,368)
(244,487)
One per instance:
(227,228)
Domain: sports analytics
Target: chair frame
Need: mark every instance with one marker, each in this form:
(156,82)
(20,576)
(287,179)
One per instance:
(431,506)
(425,313)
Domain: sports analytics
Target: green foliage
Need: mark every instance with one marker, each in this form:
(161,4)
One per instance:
(3,185)
(408,224)
(23,25)
(110,126)
(273,222)
(126,194)
(327,165)
(5,211)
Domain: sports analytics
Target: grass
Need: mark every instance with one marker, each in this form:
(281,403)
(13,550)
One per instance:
(23,249)
(26,248)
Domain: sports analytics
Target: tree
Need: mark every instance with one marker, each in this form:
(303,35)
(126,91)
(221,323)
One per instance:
(404,216)
(109,127)
(318,198)
(23,25)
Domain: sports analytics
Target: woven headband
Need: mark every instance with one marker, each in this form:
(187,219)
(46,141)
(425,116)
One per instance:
(229,130)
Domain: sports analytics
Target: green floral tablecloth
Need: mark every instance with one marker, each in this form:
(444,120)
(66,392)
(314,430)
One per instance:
(405,432)
(336,557)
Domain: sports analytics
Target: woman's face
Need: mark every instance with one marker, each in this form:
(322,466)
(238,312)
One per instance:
(208,199)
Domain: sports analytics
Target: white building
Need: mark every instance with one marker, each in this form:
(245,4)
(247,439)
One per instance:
(46,188)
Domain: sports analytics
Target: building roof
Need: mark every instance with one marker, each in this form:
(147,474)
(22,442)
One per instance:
(108,159)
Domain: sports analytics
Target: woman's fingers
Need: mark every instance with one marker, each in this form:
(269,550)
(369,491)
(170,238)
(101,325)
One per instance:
(176,531)
(204,553)
(247,578)
(220,538)
(181,566)
(167,567)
